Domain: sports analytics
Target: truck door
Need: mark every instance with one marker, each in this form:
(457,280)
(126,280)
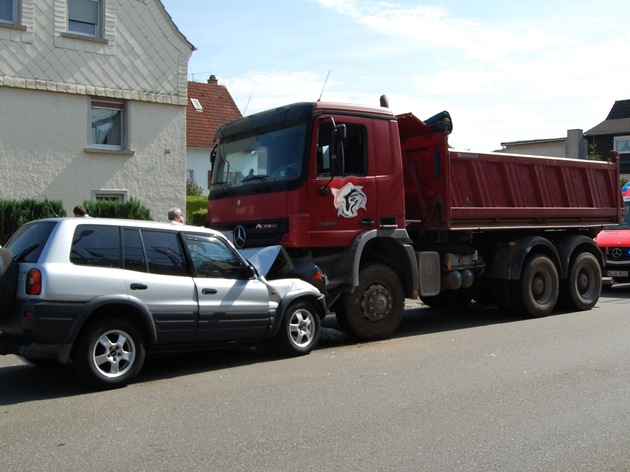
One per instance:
(342,194)
(232,306)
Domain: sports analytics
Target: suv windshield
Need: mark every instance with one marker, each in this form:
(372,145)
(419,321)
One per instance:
(258,157)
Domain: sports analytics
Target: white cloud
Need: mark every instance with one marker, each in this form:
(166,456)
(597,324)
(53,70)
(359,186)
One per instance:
(433,26)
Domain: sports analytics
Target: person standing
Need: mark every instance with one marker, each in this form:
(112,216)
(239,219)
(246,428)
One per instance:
(80,212)
(175,216)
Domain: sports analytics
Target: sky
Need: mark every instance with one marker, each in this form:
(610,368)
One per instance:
(505,70)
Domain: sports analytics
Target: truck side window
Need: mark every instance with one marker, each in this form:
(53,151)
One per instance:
(354,147)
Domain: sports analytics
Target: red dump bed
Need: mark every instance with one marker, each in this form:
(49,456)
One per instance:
(452,190)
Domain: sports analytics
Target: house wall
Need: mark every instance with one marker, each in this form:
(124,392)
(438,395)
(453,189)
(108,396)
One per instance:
(41,159)
(199,163)
(47,80)
(550,149)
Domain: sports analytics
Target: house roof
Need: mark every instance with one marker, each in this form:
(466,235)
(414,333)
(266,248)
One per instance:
(534,141)
(216,107)
(617,121)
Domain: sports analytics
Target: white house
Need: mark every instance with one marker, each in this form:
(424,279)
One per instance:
(574,146)
(93,102)
(209,106)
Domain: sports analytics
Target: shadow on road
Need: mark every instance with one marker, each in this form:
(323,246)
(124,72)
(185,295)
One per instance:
(25,383)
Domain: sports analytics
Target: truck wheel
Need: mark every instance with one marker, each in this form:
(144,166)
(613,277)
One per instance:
(581,289)
(300,330)
(449,300)
(374,310)
(109,353)
(536,293)
(8,281)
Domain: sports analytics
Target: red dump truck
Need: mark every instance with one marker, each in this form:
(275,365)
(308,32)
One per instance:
(374,208)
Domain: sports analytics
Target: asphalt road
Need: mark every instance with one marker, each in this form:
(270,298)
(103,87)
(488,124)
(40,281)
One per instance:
(468,391)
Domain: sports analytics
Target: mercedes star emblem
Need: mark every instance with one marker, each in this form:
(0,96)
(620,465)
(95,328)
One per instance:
(240,236)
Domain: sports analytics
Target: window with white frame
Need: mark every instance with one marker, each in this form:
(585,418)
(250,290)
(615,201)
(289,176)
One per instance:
(84,17)
(110,195)
(9,11)
(622,144)
(108,125)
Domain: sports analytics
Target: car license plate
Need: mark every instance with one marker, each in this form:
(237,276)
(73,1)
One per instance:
(617,273)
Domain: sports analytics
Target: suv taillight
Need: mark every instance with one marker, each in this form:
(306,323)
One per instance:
(34,282)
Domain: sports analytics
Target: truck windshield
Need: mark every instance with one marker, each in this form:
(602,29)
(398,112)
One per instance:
(258,158)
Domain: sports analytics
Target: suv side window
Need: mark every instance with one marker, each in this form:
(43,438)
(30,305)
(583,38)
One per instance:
(163,252)
(133,252)
(212,257)
(96,245)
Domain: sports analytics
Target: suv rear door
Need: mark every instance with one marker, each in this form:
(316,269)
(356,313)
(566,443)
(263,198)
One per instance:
(157,274)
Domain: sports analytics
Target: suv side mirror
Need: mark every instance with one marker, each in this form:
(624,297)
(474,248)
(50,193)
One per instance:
(249,271)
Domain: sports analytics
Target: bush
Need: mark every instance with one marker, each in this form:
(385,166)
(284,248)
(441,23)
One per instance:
(14,213)
(131,209)
(197,210)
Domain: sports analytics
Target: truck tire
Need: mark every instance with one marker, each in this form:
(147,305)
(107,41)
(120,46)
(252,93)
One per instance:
(300,330)
(374,309)
(8,281)
(109,353)
(582,288)
(536,293)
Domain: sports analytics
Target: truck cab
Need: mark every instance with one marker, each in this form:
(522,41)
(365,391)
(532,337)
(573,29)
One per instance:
(614,241)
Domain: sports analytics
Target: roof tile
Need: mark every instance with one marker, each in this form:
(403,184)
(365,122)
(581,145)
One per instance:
(218,108)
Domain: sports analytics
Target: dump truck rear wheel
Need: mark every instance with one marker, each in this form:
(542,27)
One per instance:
(536,293)
(582,288)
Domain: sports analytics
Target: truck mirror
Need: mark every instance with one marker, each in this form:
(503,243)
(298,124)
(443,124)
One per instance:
(213,154)
(337,158)
(341,132)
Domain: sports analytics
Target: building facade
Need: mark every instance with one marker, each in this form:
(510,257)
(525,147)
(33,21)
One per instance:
(613,134)
(573,146)
(93,102)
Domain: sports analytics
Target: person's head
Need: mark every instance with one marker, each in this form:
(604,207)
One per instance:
(175,214)
(79,211)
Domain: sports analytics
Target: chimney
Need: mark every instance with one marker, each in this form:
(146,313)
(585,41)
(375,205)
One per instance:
(212,80)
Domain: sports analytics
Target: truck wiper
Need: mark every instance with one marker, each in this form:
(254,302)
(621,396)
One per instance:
(224,186)
(263,178)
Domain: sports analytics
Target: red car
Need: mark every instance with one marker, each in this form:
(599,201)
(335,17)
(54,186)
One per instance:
(614,241)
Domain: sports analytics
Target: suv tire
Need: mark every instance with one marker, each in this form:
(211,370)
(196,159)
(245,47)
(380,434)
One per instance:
(300,330)
(109,353)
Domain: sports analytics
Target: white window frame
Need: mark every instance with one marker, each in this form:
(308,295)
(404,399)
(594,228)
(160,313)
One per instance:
(622,141)
(14,18)
(85,18)
(113,195)
(97,139)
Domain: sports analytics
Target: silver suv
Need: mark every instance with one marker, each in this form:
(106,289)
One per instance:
(101,292)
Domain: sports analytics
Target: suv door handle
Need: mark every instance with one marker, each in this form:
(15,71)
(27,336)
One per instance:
(209,291)
(138,287)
